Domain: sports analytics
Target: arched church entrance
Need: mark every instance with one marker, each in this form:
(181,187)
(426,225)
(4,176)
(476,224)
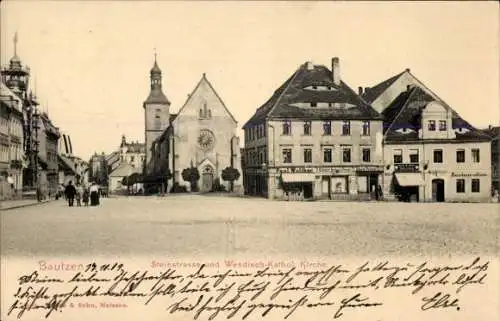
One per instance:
(207,179)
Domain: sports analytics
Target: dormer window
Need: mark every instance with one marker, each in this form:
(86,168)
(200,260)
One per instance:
(442,125)
(432,125)
(314,104)
(315,87)
(405,130)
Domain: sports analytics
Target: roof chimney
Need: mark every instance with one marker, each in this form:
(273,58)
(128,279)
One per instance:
(310,65)
(336,71)
(360,91)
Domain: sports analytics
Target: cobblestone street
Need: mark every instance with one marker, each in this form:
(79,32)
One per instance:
(212,225)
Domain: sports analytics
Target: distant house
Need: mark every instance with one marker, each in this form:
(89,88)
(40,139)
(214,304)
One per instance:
(116,177)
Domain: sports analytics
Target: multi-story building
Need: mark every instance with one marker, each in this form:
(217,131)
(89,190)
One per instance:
(314,137)
(48,155)
(11,140)
(201,135)
(494,133)
(133,153)
(430,152)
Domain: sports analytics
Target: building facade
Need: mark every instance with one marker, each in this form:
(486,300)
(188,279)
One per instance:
(202,135)
(11,141)
(133,153)
(431,154)
(315,138)
(494,133)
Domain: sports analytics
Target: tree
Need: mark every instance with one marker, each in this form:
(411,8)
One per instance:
(191,175)
(230,174)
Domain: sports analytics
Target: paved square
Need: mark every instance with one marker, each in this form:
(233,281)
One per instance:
(194,225)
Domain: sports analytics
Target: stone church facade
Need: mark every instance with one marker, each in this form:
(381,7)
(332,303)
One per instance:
(201,134)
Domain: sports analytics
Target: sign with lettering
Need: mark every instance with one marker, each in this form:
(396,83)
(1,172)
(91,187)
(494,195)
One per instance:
(477,174)
(297,170)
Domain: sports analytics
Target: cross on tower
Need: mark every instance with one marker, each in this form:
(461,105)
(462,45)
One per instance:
(154,49)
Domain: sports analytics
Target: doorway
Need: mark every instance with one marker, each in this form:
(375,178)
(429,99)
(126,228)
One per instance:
(207,179)
(438,190)
(308,190)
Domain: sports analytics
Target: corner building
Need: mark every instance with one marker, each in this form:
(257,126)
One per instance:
(315,138)
(431,154)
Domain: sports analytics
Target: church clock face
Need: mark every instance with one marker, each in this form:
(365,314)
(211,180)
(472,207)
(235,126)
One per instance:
(206,139)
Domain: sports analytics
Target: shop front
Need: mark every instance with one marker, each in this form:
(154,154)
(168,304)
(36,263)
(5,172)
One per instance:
(298,186)
(407,186)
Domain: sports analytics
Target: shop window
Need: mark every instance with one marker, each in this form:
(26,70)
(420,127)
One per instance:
(307,127)
(339,185)
(398,156)
(287,127)
(460,156)
(475,185)
(438,156)
(460,185)
(346,155)
(287,155)
(307,155)
(366,155)
(475,155)
(327,155)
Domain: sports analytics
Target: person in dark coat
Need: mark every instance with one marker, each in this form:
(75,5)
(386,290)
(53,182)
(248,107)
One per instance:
(94,195)
(70,193)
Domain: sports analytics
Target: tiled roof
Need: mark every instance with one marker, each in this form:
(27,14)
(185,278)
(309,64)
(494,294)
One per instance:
(123,170)
(156,96)
(405,112)
(372,93)
(281,103)
(493,132)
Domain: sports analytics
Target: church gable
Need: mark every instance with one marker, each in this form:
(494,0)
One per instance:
(204,104)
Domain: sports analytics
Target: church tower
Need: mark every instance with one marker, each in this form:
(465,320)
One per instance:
(156,110)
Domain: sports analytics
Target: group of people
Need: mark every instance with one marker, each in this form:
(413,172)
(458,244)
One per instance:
(82,194)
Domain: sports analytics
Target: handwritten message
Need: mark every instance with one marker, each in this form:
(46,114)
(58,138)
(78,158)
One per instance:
(210,292)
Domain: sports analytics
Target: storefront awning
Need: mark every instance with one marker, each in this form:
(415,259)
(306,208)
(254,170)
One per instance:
(297,177)
(409,179)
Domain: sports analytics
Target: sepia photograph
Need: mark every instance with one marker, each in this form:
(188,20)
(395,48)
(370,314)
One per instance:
(249,160)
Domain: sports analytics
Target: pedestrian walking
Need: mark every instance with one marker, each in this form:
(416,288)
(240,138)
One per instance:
(70,193)
(79,195)
(94,194)
(85,196)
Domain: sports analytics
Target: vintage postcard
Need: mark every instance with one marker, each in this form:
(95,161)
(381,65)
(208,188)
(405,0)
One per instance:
(266,160)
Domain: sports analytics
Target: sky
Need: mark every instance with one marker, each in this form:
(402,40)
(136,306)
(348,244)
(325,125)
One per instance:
(90,61)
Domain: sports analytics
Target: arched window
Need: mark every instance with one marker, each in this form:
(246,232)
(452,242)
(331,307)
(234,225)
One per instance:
(209,113)
(201,113)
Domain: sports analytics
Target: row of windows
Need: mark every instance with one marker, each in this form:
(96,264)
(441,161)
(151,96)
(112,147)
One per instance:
(345,129)
(437,156)
(475,185)
(327,155)
(327,128)
(431,125)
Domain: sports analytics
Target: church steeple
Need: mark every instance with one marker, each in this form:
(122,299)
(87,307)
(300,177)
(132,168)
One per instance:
(156,95)
(15,76)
